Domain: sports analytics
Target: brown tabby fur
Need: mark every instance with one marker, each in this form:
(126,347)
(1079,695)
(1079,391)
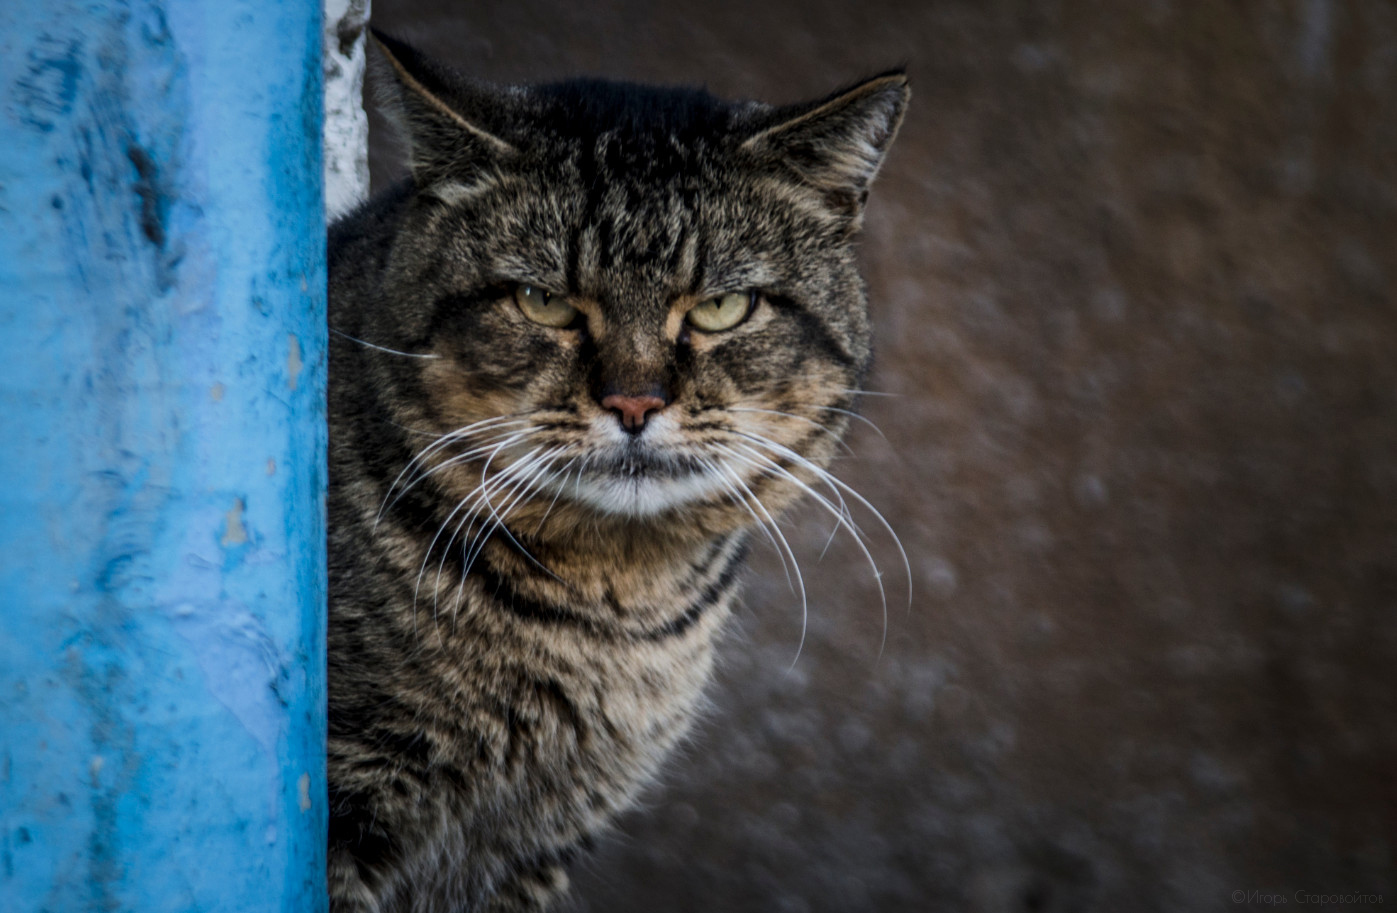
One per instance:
(510,664)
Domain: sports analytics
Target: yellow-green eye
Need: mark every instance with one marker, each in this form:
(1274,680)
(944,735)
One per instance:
(721,313)
(542,307)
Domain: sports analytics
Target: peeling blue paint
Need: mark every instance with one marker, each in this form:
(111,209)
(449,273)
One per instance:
(162,663)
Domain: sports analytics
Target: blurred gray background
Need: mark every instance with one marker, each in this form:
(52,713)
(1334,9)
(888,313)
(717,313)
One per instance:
(1132,269)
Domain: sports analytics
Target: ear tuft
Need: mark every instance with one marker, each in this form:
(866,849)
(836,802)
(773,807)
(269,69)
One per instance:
(836,145)
(441,114)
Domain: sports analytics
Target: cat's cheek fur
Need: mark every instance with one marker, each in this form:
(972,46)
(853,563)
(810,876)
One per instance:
(478,377)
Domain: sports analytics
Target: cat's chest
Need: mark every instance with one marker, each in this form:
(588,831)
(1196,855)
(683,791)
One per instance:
(560,724)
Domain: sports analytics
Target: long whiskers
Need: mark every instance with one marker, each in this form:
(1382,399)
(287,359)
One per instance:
(370,345)
(463,504)
(853,392)
(516,482)
(762,461)
(858,418)
(563,472)
(459,435)
(743,494)
(499,441)
(527,473)
(836,485)
(801,418)
(819,407)
(535,470)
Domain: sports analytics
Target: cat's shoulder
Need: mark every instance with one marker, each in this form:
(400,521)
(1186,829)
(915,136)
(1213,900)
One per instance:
(367,225)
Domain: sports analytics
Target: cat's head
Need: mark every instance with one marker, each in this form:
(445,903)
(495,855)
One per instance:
(640,300)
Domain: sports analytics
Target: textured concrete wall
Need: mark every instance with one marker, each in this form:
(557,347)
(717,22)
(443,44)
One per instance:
(162,337)
(1133,277)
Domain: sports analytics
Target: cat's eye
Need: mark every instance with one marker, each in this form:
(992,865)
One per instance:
(544,307)
(722,312)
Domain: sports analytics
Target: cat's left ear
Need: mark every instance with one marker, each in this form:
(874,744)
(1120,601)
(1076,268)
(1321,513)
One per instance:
(837,144)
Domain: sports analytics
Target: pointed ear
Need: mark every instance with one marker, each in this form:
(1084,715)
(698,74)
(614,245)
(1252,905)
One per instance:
(836,145)
(442,115)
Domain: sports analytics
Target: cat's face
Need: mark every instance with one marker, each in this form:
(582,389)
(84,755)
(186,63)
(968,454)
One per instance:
(638,301)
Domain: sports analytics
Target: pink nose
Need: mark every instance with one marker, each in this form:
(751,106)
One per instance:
(632,409)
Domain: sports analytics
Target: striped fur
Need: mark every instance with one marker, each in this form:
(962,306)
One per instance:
(525,596)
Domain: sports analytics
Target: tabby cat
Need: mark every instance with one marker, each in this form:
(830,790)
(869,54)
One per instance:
(603,334)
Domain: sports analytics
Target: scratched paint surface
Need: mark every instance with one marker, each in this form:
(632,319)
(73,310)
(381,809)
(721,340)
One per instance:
(161,519)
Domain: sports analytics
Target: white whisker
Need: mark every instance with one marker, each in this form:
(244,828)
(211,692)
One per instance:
(795,563)
(856,417)
(515,479)
(830,479)
(382,348)
(533,467)
(427,554)
(494,447)
(494,425)
(825,428)
(564,472)
(725,478)
(840,513)
(868,392)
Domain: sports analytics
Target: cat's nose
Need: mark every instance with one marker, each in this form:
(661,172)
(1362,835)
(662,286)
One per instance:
(633,410)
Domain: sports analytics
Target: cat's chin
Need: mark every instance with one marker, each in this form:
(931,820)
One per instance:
(634,485)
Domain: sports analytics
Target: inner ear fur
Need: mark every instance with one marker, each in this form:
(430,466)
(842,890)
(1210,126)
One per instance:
(837,144)
(443,115)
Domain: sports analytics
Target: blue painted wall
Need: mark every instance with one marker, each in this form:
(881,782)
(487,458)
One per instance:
(162,449)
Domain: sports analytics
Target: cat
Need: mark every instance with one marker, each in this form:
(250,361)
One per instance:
(601,336)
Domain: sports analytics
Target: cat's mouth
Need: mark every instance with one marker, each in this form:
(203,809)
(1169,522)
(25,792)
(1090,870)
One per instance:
(641,480)
(640,462)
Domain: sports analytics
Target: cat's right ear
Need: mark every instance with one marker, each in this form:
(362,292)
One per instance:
(837,144)
(443,116)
